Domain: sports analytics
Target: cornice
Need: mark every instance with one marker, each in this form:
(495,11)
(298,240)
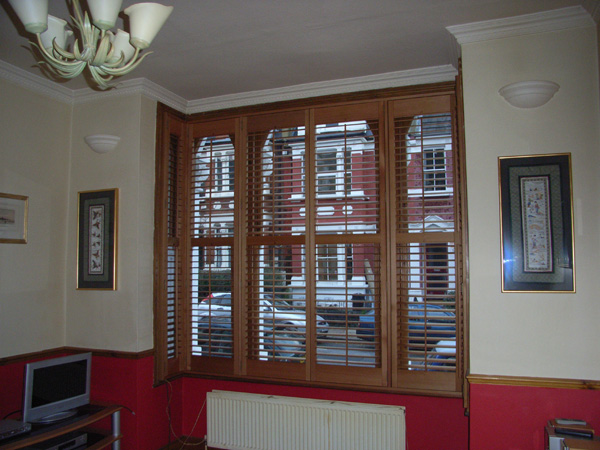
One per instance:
(426,75)
(141,86)
(546,21)
(35,83)
(154,91)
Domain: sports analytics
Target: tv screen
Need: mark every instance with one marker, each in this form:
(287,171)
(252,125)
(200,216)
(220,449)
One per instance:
(55,387)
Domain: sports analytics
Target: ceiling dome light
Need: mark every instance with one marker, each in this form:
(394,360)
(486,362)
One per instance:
(529,94)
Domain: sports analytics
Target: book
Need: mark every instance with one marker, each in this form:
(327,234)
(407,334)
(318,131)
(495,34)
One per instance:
(572,427)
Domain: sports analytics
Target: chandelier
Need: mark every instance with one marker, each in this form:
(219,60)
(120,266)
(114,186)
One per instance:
(104,53)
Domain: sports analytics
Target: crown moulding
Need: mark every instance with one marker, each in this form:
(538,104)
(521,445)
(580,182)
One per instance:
(545,21)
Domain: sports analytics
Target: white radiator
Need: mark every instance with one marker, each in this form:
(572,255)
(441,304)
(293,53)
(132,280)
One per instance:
(240,421)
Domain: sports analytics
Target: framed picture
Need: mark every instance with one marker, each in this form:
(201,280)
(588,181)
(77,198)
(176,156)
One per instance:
(536,215)
(97,239)
(13,219)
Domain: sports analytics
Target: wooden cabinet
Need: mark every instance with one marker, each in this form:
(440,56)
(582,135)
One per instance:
(66,430)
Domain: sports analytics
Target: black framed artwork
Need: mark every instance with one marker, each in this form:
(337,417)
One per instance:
(536,217)
(97,239)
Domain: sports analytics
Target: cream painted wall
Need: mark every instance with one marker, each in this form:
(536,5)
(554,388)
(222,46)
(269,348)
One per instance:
(537,334)
(34,161)
(121,319)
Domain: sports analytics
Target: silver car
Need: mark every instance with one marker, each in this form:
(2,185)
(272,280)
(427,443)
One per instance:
(292,319)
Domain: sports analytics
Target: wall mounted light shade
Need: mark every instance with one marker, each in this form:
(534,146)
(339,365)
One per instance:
(102,143)
(146,20)
(529,94)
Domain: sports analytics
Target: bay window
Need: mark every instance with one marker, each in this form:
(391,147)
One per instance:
(319,244)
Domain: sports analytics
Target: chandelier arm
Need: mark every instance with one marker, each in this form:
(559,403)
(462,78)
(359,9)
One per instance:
(118,71)
(123,70)
(51,59)
(79,19)
(102,51)
(94,71)
(62,52)
(69,72)
(116,64)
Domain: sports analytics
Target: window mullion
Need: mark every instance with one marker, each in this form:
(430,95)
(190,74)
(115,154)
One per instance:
(239,263)
(310,247)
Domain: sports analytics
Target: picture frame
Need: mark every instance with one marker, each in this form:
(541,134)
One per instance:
(97,239)
(536,219)
(13,218)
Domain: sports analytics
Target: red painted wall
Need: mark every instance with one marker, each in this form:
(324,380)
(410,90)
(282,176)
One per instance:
(513,417)
(431,422)
(501,417)
(129,382)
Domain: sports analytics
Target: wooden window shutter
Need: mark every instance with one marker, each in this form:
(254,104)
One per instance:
(427,244)
(348,252)
(277,322)
(169,289)
(213,301)
(314,243)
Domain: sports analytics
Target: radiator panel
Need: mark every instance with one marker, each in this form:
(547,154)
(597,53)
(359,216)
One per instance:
(241,421)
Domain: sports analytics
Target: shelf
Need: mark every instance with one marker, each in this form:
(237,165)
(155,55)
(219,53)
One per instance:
(87,416)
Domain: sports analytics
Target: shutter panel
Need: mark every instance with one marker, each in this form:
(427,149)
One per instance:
(426,244)
(278,321)
(348,252)
(169,284)
(212,202)
(174,291)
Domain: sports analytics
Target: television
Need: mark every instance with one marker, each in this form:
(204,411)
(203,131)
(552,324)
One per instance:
(54,388)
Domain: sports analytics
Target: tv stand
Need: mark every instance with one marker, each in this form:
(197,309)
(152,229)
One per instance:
(86,416)
(57,417)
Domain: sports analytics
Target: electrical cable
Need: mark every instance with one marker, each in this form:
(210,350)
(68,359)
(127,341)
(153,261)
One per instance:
(10,414)
(184,443)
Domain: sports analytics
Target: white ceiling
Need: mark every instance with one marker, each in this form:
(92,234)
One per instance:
(213,48)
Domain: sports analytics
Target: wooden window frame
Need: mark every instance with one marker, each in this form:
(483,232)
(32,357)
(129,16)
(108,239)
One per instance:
(239,367)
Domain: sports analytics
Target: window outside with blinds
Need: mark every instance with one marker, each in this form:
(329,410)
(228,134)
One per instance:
(303,265)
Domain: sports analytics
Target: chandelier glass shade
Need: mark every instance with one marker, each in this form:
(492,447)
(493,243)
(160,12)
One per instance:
(105,53)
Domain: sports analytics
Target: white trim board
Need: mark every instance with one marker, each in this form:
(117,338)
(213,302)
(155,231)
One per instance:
(152,90)
(546,21)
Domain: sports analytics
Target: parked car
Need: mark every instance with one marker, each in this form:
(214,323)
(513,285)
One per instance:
(215,336)
(440,324)
(219,304)
(215,339)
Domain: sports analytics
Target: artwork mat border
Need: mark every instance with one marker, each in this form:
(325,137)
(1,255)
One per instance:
(22,206)
(111,285)
(563,160)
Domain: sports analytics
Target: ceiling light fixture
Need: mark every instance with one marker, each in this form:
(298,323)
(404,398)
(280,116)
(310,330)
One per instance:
(105,53)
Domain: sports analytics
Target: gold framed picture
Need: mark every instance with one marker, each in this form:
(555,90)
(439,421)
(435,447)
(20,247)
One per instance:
(536,218)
